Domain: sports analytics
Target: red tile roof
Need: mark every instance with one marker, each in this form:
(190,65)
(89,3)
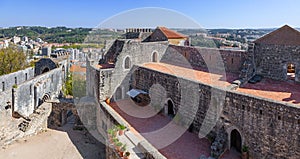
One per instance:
(282,36)
(170,34)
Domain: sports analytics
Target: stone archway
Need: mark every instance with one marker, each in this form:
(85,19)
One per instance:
(46,97)
(236,140)
(154,57)
(170,108)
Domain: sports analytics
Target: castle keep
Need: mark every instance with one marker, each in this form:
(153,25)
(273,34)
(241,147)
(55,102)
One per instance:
(196,87)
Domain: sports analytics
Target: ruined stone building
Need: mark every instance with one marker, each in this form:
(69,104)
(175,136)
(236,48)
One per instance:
(204,88)
(22,93)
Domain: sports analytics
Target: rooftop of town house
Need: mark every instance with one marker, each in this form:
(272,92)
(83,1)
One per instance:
(285,35)
(283,91)
(145,120)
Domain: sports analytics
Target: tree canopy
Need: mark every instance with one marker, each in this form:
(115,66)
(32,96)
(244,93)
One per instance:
(12,60)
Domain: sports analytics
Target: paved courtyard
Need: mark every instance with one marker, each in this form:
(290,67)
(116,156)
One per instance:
(154,129)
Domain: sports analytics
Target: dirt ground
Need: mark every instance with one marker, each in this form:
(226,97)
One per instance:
(56,144)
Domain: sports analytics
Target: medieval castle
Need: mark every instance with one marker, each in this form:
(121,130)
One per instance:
(243,98)
(176,100)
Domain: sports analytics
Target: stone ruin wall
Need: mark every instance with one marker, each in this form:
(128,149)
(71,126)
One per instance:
(29,95)
(9,81)
(26,102)
(269,128)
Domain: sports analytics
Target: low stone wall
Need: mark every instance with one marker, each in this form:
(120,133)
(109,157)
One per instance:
(59,114)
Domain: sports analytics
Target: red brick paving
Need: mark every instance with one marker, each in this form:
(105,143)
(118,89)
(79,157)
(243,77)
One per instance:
(285,91)
(193,74)
(187,146)
(145,120)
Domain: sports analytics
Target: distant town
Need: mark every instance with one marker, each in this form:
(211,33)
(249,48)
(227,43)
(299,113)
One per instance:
(33,39)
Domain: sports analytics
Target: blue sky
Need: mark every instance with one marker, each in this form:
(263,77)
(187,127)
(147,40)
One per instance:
(208,13)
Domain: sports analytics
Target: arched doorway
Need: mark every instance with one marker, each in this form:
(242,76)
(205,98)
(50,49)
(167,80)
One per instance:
(127,63)
(236,140)
(154,57)
(171,112)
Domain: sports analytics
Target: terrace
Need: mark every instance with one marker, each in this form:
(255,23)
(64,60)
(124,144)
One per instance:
(283,91)
(171,140)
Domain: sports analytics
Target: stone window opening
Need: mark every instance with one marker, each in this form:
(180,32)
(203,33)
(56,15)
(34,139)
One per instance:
(291,71)
(279,117)
(3,86)
(236,140)
(260,112)
(16,80)
(243,107)
(127,63)
(26,77)
(171,112)
(231,60)
(30,90)
(154,57)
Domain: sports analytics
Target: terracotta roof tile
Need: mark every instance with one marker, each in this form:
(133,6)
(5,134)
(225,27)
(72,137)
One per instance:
(282,36)
(171,34)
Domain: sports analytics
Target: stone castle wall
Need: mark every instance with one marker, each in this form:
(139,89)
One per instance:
(30,94)
(272,60)
(269,128)
(199,57)
(141,52)
(9,80)
(119,76)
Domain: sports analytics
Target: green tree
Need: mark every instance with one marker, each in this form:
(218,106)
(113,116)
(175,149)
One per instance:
(12,60)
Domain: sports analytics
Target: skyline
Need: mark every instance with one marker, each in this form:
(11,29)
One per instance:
(211,14)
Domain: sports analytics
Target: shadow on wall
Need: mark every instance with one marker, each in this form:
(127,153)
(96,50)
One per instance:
(64,118)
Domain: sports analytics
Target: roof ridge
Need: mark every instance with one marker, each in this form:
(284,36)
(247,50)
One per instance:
(171,33)
(277,32)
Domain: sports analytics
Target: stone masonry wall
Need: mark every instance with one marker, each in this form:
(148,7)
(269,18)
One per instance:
(16,78)
(29,95)
(9,81)
(272,60)
(138,53)
(200,57)
(269,128)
